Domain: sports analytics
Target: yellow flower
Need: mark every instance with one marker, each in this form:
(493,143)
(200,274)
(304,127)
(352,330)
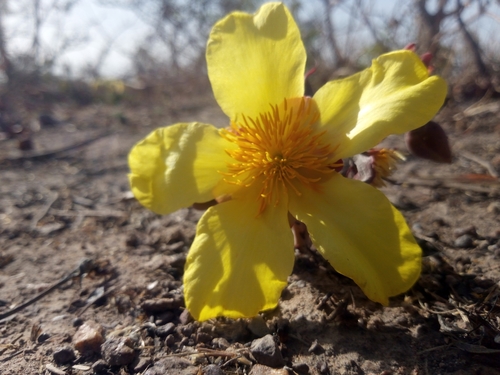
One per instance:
(281,155)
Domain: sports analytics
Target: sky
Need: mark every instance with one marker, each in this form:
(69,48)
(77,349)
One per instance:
(86,32)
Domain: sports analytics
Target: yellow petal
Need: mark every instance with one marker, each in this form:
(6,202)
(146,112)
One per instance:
(393,96)
(176,166)
(362,235)
(239,263)
(255,60)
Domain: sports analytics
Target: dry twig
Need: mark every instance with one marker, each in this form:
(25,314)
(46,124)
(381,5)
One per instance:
(82,269)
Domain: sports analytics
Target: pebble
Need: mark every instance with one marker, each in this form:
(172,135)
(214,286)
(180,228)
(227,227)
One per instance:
(77,322)
(160,305)
(164,331)
(266,352)
(185,317)
(88,337)
(464,241)
(203,337)
(43,337)
(64,355)
(187,330)
(100,367)
(258,326)
(213,370)
(118,351)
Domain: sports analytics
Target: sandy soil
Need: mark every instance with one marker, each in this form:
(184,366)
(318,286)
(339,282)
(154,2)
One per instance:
(58,209)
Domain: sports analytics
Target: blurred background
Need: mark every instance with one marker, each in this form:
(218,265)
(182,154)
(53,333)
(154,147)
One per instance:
(136,52)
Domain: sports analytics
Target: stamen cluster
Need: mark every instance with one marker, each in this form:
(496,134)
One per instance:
(280,149)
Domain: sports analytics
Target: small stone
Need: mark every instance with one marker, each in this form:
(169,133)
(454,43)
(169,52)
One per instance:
(185,317)
(43,337)
(88,337)
(142,364)
(64,355)
(164,331)
(203,337)
(170,340)
(100,367)
(159,305)
(213,370)
(258,326)
(464,241)
(188,329)
(77,322)
(265,370)
(266,352)
(118,351)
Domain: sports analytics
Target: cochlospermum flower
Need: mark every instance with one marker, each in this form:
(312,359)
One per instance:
(281,154)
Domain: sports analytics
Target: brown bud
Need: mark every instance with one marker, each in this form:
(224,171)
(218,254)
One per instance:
(429,142)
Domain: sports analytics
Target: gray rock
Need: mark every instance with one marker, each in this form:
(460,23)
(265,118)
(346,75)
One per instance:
(161,305)
(100,367)
(64,355)
(464,241)
(164,331)
(266,351)
(213,370)
(118,351)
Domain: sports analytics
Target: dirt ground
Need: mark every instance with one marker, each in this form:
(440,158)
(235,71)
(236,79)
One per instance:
(57,209)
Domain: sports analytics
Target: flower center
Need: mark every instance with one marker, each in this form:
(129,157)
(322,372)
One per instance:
(280,150)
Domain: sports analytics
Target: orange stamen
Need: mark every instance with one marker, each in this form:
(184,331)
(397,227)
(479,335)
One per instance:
(280,149)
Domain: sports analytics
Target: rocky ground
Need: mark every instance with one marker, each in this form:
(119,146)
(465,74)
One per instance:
(121,311)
